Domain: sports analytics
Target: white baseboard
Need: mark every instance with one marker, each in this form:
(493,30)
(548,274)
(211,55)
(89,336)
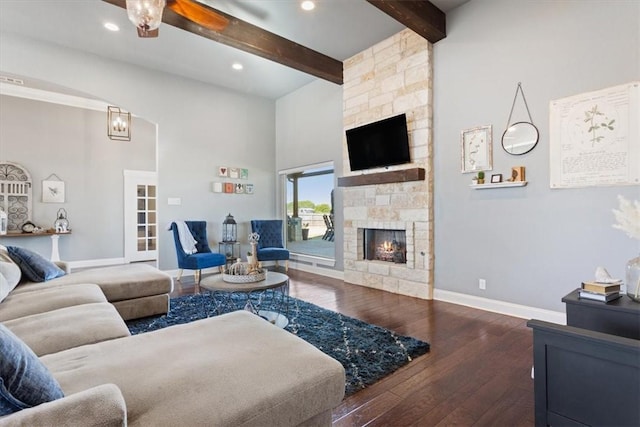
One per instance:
(502,307)
(328,272)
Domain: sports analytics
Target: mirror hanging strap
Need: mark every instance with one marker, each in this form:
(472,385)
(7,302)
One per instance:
(519,89)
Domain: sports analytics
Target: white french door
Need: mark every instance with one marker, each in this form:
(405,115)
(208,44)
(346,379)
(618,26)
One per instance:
(140,216)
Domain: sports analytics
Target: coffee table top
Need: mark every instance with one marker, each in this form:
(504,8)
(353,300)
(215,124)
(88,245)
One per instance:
(273,280)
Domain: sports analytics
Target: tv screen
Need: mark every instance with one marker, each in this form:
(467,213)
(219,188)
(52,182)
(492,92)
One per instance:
(379,144)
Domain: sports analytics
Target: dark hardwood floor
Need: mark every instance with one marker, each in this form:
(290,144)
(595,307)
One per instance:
(477,373)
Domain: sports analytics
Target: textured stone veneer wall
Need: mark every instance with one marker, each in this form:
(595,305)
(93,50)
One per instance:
(392,77)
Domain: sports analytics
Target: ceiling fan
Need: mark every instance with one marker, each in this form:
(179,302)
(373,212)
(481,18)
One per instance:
(146,15)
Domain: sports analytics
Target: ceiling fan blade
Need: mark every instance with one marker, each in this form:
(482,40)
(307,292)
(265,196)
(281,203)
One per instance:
(199,14)
(147,34)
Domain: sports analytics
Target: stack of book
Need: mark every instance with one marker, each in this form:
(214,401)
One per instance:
(599,291)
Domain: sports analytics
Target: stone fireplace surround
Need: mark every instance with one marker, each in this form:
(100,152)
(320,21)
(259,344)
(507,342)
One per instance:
(392,77)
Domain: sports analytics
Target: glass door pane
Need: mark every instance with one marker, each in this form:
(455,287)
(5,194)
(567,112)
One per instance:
(146,218)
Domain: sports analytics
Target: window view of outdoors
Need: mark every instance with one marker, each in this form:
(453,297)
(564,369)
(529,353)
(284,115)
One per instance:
(310,212)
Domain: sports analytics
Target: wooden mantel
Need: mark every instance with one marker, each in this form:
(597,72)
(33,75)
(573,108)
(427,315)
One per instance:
(403,175)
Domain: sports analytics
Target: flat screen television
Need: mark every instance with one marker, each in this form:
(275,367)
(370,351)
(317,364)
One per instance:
(379,144)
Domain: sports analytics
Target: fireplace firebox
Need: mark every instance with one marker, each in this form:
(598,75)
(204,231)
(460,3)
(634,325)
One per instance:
(385,245)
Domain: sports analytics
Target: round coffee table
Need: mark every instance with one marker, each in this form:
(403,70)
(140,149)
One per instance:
(253,296)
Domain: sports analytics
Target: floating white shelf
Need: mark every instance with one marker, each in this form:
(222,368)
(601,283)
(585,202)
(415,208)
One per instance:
(498,185)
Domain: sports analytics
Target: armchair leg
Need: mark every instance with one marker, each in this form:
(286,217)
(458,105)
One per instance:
(286,266)
(179,275)
(197,276)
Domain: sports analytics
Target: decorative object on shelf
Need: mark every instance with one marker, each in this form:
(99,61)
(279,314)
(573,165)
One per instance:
(481,177)
(223,171)
(474,180)
(496,177)
(118,124)
(52,189)
(229,229)
(29,227)
(628,220)
(477,151)
(16,194)
(517,174)
(4,221)
(61,224)
(520,137)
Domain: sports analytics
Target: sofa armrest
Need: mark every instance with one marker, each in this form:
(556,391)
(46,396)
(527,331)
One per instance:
(102,405)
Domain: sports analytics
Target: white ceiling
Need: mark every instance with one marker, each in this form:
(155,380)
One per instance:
(337,28)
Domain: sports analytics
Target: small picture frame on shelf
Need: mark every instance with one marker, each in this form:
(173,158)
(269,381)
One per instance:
(517,174)
(496,177)
(223,171)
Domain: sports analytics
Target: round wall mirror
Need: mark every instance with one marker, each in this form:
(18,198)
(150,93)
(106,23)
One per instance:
(520,138)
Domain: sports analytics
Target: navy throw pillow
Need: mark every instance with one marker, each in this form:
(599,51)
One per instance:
(34,266)
(24,381)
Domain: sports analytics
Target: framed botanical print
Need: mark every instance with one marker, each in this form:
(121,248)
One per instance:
(476,146)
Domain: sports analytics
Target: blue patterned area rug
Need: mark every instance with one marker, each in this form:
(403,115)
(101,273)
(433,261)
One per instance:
(367,352)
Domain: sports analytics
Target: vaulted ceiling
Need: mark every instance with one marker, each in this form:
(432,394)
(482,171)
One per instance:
(280,46)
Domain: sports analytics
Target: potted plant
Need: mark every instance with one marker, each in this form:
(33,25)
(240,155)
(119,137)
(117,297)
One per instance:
(250,258)
(305,231)
(481,177)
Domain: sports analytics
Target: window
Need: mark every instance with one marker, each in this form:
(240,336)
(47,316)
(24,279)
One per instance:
(309,210)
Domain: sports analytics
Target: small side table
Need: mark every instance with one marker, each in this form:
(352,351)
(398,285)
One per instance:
(231,250)
(619,317)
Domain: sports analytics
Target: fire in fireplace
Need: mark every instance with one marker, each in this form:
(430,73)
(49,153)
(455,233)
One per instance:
(385,245)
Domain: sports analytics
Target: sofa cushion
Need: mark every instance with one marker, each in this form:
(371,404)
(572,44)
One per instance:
(118,282)
(24,381)
(33,265)
(51,332)
(20,304)
(252,372)
(9,274)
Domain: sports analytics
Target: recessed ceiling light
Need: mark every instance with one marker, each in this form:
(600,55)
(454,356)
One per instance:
(307,5)
(237,66)
(111,26)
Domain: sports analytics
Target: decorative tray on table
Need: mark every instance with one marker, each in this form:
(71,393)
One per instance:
(242,272)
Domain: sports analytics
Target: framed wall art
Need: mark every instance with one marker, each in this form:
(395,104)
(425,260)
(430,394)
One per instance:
(476,146)
(52,189)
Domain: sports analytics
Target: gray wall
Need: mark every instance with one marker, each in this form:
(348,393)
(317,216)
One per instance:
(308,131)
(533,244)
(72,143)
(200,127)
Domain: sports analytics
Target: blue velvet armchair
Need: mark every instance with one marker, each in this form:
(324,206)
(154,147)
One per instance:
(270,247)
(203,257)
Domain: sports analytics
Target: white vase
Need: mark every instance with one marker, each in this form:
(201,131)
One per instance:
(633,279)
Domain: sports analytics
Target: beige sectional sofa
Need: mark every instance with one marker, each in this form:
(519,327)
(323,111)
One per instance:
(136,290)
(230,370)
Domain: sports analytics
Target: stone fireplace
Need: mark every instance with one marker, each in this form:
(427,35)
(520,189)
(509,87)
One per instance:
(391,78)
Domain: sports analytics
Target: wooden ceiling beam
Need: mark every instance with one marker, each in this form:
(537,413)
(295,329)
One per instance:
(255,40)
(421,16)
